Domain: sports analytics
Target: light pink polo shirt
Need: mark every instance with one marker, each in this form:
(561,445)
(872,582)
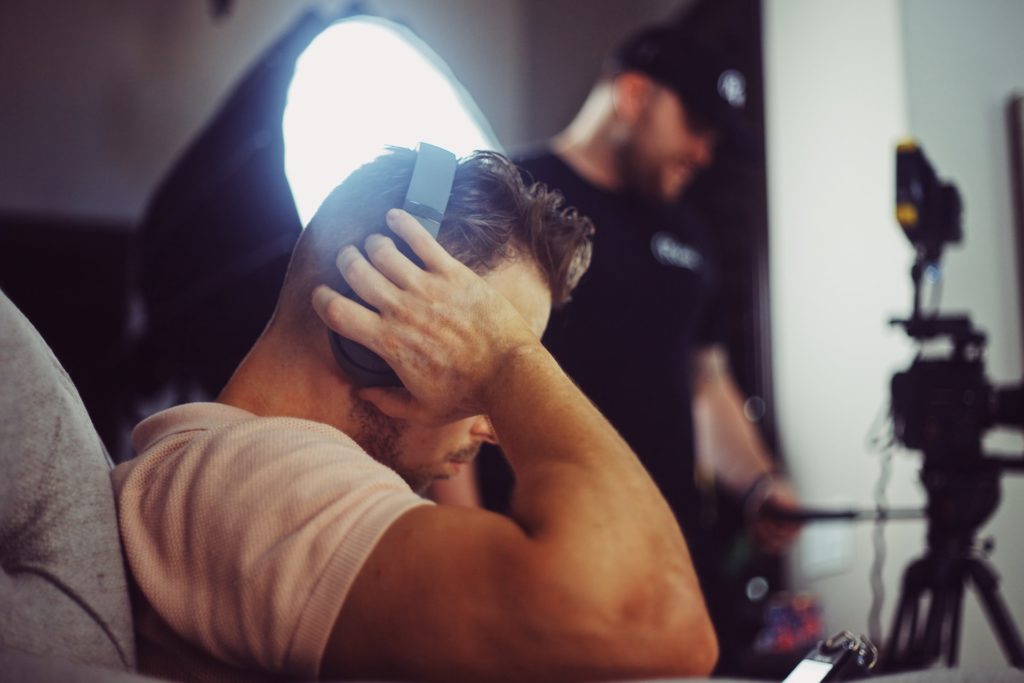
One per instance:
(243,535)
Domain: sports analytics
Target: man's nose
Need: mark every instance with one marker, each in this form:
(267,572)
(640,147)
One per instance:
(483,430)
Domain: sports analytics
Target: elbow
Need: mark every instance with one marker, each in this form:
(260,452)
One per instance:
(657,627)
(700,648)
(683,642)
(698,654)
(663,633)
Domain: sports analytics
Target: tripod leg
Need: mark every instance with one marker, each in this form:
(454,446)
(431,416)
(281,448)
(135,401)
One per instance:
(903,638)
(935,626)
(991,600)
(956,609)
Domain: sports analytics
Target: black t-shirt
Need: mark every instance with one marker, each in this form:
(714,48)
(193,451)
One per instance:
(628,335)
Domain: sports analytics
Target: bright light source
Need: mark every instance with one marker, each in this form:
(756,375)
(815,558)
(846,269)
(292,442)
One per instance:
(362,84)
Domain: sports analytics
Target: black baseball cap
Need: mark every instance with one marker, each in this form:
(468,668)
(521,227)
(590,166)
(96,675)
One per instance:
(711,88)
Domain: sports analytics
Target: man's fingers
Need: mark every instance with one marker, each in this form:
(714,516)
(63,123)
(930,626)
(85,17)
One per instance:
(365,280)
(345,316)
(386,258)
(777,539)
(419,240)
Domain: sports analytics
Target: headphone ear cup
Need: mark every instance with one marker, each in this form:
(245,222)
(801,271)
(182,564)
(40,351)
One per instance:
(427,198)
(364,367)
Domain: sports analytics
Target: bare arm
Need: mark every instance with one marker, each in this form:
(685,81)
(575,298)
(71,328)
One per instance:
(731,447)
(728,443)
(590,578)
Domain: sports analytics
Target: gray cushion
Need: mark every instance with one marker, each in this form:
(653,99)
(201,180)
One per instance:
(62,580)
(18,667)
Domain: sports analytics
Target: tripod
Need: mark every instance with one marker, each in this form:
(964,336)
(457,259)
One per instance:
(959,501)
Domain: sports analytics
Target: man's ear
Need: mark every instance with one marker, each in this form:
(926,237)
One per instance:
(631,93)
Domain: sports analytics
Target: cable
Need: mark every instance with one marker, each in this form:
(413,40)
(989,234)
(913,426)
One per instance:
(878,545)
(879,439)
(882,441)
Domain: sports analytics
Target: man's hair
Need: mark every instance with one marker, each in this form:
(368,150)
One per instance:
(493,217)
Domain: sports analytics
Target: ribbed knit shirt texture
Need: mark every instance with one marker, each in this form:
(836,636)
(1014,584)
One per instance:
(243,535)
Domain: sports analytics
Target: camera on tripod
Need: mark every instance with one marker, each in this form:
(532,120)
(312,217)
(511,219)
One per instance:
(943,406)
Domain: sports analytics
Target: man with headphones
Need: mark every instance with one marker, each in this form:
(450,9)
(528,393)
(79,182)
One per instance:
(278,530)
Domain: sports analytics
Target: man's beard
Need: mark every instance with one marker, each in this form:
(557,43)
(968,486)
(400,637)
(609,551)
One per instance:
(640,177)
(380,436)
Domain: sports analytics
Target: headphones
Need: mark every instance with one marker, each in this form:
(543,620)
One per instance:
(426,199)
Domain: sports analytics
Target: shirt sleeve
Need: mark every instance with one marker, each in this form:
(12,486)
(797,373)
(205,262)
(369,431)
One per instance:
(246,540)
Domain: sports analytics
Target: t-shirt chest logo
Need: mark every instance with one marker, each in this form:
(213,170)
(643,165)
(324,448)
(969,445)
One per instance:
(669,251)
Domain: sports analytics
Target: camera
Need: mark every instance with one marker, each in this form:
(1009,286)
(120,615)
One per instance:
(944,406)
(941,406)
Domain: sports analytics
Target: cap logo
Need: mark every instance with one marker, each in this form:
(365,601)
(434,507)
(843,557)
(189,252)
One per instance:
(733,88)
(670,251)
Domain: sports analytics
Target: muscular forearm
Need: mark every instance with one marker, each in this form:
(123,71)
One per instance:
(587,502)
(727,442)
(732,448)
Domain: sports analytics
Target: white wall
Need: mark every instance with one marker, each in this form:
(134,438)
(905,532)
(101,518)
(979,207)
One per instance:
(99,96)
(838,76)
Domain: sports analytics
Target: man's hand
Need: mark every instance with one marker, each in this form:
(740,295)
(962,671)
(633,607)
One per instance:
(443,329)
(773,535)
